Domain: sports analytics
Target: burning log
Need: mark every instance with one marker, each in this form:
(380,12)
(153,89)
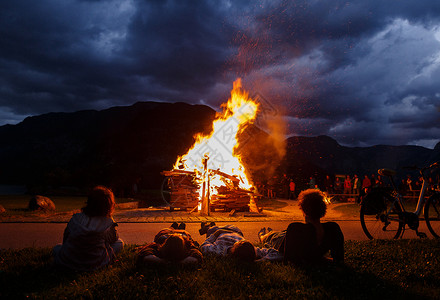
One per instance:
(232,178)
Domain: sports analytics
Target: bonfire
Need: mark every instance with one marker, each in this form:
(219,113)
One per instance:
(211,175)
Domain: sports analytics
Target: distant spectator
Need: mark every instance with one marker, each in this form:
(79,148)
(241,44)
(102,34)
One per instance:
(347,185)
(90,239)
(338,186)
(409,182)
(271,185)
(379,181)
(419,183)
(356,184)
(366,184)
(373,180)
(285,186)
(328,184)
(312,182)
(292,187)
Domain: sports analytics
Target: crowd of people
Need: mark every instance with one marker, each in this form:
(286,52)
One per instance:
(354,185)
(91,240)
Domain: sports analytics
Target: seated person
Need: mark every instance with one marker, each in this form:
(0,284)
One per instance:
(170,245)
(90,239)
(229,241)
(309,242)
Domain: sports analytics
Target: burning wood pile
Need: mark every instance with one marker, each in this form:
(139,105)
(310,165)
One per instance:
(231,196)
(184,192)
(210,175)
(183,189)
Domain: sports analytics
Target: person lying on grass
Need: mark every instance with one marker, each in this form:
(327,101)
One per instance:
(229,241)
(309,242)
(170,245)
(90,239)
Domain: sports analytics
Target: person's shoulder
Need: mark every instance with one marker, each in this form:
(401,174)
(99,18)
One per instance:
(331,227)
(299,226)
(330,224)
(80,218)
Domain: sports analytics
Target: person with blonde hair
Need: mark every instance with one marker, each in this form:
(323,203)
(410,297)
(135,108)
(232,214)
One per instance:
(90,240)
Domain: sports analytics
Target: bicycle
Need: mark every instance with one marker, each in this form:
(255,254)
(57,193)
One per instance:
(383,215)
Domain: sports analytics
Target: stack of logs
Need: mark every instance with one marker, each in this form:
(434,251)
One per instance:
(230,196)
(230,200)
(183,189)
(184,194)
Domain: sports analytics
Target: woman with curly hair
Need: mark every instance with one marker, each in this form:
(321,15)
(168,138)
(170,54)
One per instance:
(310,242)
(90,239)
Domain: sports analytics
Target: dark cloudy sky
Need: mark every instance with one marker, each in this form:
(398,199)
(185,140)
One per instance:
(362,72)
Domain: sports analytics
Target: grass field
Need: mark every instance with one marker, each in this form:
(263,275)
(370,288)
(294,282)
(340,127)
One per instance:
(401,269)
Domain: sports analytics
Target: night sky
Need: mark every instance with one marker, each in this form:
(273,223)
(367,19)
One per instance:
(361,72)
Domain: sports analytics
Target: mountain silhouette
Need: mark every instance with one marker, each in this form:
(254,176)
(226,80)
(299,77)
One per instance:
(124,145)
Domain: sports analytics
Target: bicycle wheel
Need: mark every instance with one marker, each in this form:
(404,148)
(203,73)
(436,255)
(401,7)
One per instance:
(381,221)
(165,190)
(432,214)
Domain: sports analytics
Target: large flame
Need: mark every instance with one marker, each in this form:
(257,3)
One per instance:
(218,148)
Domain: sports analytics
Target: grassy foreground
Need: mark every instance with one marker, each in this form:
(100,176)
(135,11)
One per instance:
(405,269)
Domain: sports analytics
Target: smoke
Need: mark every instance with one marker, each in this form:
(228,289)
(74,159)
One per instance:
(277,129)
(264,145)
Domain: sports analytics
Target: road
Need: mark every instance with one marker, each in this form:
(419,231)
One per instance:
(21,235)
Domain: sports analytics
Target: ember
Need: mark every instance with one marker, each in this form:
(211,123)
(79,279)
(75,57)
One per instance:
(211,174)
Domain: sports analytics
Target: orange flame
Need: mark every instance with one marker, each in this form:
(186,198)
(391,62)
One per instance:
(220,145)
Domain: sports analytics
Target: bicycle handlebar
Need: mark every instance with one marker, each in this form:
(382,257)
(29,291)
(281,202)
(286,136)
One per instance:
(433,165)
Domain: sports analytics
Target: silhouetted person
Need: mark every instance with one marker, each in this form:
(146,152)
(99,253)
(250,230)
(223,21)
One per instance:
(310,242)
(347,185)
(292,187)
(328,184)
(366,184)
(312,182)
(90,239)
(338,186)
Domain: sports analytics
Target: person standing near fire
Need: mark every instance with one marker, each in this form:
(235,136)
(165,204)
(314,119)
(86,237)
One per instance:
(356,184)
(338,186)
(409,182)
(312,182)
(328,185)
(271,185)
(285,186)
(292,187)
(347,185)
(366,184)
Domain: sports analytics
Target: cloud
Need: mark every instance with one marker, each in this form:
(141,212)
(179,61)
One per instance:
(335,67)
